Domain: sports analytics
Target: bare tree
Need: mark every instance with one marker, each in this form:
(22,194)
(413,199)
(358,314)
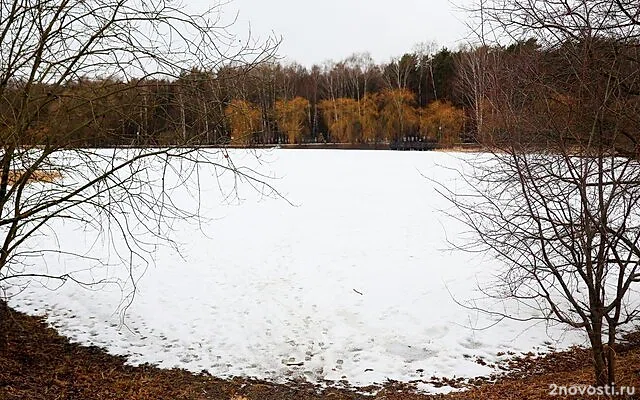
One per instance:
(557,200)
(473,69)
(111,47)
(424,53)
(398,72)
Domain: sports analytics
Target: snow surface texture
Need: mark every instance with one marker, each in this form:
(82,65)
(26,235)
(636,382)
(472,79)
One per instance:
(355,281)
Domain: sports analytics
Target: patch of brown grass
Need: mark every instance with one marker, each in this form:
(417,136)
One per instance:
(36,176)
(461,149)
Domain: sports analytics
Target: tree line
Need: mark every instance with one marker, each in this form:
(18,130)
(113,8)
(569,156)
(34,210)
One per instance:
(555,98)
(438,96)
(413,97)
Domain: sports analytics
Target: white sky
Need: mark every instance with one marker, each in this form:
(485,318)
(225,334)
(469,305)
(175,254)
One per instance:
(315,31)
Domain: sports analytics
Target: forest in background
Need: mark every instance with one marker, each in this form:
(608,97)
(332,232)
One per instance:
(351,101)
(440,97)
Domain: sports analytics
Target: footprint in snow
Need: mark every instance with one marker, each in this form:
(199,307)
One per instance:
(471,344)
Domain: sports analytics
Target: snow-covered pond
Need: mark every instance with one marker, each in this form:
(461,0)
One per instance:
(353,281)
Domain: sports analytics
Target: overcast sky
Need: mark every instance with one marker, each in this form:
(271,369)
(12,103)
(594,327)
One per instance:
(315,31)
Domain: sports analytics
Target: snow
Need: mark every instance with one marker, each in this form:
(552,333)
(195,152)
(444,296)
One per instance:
(354,280)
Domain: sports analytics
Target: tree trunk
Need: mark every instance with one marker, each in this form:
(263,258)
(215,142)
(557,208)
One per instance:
(599,355)
(206,121)
(611,355)
(4,325)
(611,366)
(183,120)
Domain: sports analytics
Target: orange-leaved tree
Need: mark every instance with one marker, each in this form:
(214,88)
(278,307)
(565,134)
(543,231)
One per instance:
(441,121)
(292,116)
(398,116)
(370,119)
(245,120)
(341,116)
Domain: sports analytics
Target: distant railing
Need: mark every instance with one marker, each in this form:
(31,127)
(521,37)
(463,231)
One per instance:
(417,144)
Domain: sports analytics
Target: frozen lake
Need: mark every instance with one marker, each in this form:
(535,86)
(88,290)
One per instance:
(353,281)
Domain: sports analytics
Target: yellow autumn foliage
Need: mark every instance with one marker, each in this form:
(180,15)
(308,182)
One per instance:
(398,116)
(245,120)
(291,116)
(341,116)
(369,119)
(442,121)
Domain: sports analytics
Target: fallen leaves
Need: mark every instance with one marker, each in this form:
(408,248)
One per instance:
(36,176)
(37,364)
